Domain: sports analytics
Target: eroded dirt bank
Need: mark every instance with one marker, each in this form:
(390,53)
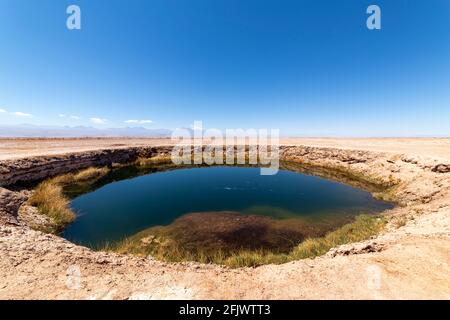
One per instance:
(410,259)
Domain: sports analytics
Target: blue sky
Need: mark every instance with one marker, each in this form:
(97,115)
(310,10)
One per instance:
(306,67)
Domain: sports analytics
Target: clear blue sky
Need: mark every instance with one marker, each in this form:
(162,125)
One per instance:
(306,67)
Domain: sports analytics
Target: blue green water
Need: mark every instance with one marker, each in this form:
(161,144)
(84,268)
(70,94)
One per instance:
(125,207)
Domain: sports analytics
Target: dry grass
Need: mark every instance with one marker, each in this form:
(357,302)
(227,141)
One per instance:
(51,201)
(86,175)
(402,220)
(169,250)
(48,197)
(361,229)
(159,159)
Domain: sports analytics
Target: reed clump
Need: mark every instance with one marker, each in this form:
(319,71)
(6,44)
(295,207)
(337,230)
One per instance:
(50,200)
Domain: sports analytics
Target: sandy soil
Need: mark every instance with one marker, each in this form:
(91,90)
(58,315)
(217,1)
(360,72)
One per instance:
(19,148)
(409,260)
(425,147)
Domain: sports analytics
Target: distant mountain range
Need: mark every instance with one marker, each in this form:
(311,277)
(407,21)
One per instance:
(33,131)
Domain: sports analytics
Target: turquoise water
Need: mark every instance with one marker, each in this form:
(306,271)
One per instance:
(123,208)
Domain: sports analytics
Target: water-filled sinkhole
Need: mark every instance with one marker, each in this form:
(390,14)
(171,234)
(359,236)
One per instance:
(215,208)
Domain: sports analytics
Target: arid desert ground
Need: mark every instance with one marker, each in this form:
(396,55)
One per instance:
(11,148)
(408,260)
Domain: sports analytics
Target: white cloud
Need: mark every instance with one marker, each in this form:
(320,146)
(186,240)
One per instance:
(139,121)
(17,113)
(75,117)
(22,114)
(98,120)
(61,115)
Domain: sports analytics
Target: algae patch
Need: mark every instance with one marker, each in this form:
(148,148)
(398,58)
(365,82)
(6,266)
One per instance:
(166,243)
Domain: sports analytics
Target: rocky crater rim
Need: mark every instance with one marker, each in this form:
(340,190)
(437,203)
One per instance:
(412,182)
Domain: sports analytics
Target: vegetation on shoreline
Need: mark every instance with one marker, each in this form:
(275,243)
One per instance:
(156,160)
(167,249)
(51,201)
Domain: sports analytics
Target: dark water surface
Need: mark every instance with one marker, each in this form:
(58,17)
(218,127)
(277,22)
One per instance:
(125,207)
